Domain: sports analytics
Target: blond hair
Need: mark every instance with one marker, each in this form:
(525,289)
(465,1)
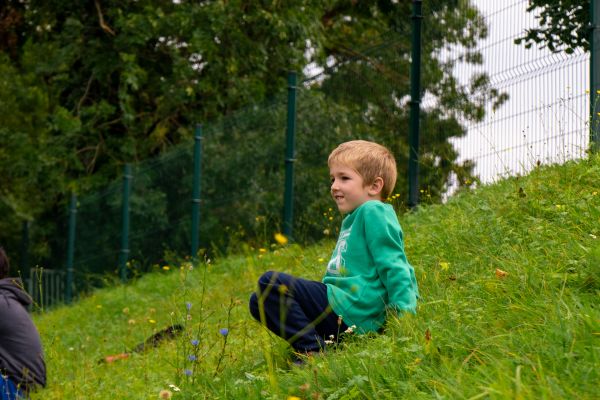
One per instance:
(370,160)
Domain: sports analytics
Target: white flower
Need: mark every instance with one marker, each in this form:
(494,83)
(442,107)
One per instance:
(175,388)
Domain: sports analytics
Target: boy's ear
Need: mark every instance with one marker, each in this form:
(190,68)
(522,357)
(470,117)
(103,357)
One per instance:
(376,187)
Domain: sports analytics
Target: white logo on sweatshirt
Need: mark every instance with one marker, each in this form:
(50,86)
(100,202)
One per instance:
(337,263)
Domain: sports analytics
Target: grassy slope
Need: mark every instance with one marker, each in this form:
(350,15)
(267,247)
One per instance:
(534,333)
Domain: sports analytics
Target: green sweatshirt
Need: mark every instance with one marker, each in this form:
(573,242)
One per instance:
(368,271)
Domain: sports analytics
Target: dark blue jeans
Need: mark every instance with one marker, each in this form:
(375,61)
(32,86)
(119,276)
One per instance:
(296,310)
(8,390)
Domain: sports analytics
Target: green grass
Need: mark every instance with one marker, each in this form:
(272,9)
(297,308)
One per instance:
(532,334)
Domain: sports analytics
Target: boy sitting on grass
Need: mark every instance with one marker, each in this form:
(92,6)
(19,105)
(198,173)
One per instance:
(368,273)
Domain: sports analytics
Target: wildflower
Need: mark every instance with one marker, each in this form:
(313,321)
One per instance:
(165,394)
(326,232)
(281,239)
(188,306)
(597,91)
(293,398)
(593,236)
(126,310)
(350,329)
(188,317)
(331,218)
(98,306)
(175,388)
(194,342)
(151,321)
(166,267)
(188,372)
(444,265)
(328,341)
(283,289)
(262,250)
(224,331)
(331,337)
(131,322)
(192,357)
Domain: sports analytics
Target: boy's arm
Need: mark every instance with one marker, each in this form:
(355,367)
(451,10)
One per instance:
(385,243)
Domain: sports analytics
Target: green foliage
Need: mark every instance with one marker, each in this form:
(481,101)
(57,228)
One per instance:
(117,82)
(564,25)
(503,312)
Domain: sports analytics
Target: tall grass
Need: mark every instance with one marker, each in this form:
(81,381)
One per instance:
(509,276)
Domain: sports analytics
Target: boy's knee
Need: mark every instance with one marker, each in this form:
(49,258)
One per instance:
(268,278)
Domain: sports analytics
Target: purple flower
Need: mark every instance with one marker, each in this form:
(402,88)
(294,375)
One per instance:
(195,342)
(224,331)
(188,305)
(188,372)
(192,357)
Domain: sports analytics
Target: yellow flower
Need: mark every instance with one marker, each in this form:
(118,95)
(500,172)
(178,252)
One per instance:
(444,265)
(98,305)
(321,259)
(293,398)
(261,250)
(597,91)
(166,268)
(280,238)
(152,321)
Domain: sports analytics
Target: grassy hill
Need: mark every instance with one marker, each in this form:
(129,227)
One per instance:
(509,276)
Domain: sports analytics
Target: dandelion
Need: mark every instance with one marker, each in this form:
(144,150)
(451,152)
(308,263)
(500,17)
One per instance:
(192,358)
(166,267)
(281,238)
(188,372)
(165,394)
(321,259)
(224,331)
(597,91)
(151,321)
(262,250)
(444,265)
(293,398)
(194,342)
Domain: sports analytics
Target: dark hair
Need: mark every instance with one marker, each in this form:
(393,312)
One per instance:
(4,263)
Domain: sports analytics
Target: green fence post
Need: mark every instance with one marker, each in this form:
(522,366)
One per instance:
(124,253)
(288,202)
(415,104)
(71,248)
(196,191)
(594,75)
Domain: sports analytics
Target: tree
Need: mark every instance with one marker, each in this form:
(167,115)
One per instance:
(125,81)
(564,25)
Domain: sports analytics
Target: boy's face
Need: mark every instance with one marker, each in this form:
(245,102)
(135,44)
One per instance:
(348,188)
